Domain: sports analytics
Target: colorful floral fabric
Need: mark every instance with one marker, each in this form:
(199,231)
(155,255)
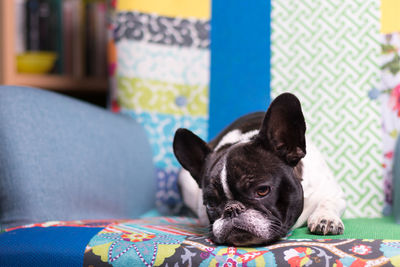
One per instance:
(389,94)
(178,241)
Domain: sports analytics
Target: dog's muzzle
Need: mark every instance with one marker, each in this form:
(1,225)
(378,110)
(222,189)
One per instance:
(239,225)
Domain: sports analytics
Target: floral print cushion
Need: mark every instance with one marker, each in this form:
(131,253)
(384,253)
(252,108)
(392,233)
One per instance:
(180,241)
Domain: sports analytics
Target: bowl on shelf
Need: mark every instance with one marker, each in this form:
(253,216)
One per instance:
(39,62)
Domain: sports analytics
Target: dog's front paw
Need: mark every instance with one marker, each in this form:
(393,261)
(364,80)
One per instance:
(325,224)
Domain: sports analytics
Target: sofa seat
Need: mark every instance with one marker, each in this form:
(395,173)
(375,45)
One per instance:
(180,241)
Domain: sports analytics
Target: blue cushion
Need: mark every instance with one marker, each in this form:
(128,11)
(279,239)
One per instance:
(45,246)
(63,159)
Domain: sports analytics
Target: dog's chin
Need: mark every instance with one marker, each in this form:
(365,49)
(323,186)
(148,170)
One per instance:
(241,238)
(248,229)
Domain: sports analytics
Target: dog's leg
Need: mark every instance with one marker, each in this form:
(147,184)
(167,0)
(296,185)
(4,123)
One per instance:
(325,219)
(324,201)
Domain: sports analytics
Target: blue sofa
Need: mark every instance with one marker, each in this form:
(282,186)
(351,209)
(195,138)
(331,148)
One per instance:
(77,188)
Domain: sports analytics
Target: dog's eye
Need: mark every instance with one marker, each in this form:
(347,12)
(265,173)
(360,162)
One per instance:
(211,209)
(262,191)
(211,205)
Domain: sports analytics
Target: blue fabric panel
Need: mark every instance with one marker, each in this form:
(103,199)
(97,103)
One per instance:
(168,196)
(160,129)
(240,60)
(52,246)
(63,159)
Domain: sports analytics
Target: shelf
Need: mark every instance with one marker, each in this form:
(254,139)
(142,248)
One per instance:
(9,76)
(61,83)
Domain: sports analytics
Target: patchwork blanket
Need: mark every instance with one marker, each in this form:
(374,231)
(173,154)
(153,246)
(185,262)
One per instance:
(175,241)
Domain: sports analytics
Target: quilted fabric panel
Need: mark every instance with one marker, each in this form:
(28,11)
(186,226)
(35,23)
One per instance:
(184,9)
(327,53)
(164,30)
(163,63)
(161,80)
(162,97)
(160,129)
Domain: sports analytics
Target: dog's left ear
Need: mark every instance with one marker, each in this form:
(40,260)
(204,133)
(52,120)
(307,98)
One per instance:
(283,129)
(191,152)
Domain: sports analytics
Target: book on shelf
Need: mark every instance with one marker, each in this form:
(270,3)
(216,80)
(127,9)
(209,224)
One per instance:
(75,30)
(20,28)
(96,41)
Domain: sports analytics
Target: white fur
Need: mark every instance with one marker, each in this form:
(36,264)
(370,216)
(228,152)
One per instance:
(218,225)
(236,136)
(192,196)
(323,197)
(224,183)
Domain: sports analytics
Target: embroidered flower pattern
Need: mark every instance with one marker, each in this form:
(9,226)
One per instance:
(361,249)
(298,257)
(137,237)
(230,263)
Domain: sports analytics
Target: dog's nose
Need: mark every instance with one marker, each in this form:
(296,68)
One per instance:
(233,209)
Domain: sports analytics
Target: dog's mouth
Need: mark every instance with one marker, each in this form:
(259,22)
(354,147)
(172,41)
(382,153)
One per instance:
(248,229)
(239,237)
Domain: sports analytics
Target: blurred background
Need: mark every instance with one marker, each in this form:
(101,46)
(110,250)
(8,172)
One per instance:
(57,45)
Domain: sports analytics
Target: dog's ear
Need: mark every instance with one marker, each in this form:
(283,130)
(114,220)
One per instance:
(191,152)
(283,129)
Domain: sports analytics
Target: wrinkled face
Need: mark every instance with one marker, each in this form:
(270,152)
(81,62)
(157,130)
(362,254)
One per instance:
(251,196)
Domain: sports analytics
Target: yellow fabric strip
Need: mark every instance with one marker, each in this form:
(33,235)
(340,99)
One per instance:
(199,9)
(162,97)
(390,16)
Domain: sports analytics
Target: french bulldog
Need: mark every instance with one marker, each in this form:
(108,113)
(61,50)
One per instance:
(255,181)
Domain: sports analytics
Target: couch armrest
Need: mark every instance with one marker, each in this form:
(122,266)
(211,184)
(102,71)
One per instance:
(63,159)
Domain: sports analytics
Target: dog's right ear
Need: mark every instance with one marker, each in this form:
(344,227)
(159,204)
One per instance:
(283,129)
(191,152)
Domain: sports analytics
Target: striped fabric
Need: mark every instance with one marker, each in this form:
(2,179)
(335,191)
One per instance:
(162,77)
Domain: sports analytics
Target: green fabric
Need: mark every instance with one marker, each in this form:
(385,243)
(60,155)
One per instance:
(360,228)
(331,71)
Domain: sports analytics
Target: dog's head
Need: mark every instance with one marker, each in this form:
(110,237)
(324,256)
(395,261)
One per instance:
(251,189)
